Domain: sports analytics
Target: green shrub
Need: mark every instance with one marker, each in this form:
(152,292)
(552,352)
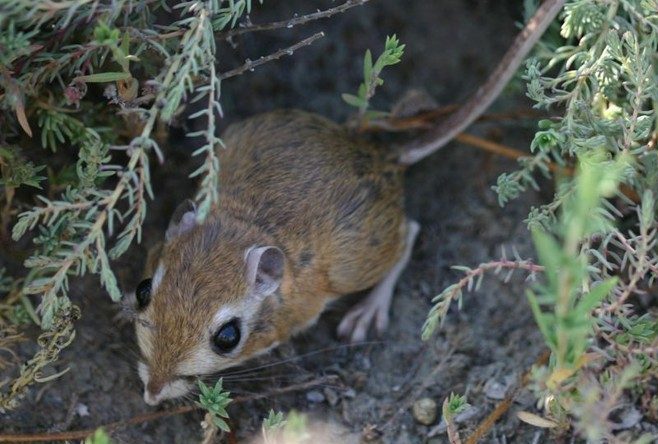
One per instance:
(596,240)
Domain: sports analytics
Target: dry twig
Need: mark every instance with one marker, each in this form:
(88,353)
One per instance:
(488,422)
(250,65)
(146,417)
(290,23)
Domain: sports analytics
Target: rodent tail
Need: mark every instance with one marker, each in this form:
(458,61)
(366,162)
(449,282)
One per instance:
(443,133)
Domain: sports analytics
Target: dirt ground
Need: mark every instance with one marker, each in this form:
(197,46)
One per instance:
(451,46)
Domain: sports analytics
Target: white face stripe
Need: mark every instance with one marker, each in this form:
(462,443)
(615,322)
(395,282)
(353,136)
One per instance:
(173,389)
(157,277)
(222,316)
(203,359)
(143,371)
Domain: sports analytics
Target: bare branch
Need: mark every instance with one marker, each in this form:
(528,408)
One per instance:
(291,23)
(250,65)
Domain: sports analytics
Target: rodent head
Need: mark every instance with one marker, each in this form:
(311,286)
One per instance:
(209,304)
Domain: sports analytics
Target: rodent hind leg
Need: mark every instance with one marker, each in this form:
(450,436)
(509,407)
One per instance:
(375,307)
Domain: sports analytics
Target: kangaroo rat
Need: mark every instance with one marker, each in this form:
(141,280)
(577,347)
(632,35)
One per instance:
(307,213)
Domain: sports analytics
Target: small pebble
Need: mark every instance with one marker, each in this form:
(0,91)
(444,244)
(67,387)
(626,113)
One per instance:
(424,411)
(82,410)
(314,396)
(349,393)
(331,395)
(359,379)
(370,433)
(494,389)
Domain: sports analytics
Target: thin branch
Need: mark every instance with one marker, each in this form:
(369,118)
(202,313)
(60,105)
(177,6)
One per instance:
(471,280)
(489,91)
(250,65)
(291,23)
(428,119)
(485,426)
(503,150)
(151,416)
(479,142)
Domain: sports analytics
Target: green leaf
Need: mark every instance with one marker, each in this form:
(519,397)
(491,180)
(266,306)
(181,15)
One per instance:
(592,299)
(6,153)
(544,321)
(99,437)
(648,208)
(125,43)
(367,65)
(103,77)
(221,424)
(353,100)
(205,390)
(549,252)
(274,420)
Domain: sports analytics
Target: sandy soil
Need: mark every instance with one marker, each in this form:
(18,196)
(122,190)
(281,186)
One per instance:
(451,46)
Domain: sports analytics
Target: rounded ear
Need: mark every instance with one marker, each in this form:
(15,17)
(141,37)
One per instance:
(264,269)
(182,221)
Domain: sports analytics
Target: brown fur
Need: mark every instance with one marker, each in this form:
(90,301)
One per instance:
(332,203)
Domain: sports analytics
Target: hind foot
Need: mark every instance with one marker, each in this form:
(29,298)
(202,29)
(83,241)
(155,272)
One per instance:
(373,310)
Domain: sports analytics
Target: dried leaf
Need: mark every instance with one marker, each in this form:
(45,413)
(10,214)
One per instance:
(536,420)
(128,89)
(22,118)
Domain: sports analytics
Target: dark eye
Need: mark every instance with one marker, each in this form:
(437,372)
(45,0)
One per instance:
(143,294)
(227,337)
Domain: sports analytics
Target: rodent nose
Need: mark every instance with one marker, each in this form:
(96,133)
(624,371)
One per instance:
(152,392)
(150,399)
(154,387)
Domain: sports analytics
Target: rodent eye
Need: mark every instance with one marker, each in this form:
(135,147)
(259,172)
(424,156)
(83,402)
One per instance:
(143,294)
(227,337)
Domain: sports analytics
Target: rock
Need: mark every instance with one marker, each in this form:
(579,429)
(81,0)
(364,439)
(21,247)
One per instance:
(331,396)
(370,433)
(359,379)
(314,396)
(349,393)
(82,410)
(424,411)
(364,362)
(495,390)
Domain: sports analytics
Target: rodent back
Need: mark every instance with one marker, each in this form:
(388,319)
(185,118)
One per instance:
(318,190)
(291,170)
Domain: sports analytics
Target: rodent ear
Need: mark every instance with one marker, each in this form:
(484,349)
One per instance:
(182,221)
(264,269)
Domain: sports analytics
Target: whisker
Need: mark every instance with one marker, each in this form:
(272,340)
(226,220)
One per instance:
(303,356)
(258,378)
